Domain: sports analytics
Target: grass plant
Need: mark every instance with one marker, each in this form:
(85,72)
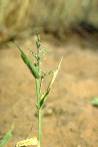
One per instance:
(41,97)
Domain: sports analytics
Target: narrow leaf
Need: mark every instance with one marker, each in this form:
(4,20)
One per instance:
(44,96)
(6,138)
(55,74)
(43,99)
(30,65)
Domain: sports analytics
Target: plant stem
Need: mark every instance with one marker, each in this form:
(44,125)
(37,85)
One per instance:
(38,90)
(38,93)
(40,127)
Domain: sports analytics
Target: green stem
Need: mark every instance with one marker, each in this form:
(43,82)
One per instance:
(40,127)
(38,93)
(38,90)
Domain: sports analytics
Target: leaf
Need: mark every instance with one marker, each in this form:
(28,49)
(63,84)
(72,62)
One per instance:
(43,99)
(94,101)
(55,74)
(30,65)
(44,96)
(6,138)
(27,142)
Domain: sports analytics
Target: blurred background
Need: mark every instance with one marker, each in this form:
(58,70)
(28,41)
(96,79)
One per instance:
(68,28)
(25,17)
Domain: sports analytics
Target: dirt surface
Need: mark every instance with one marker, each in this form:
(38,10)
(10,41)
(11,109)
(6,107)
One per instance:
(69,119)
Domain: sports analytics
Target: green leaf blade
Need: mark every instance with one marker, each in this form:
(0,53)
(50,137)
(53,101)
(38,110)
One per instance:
(30,65)
(7,137)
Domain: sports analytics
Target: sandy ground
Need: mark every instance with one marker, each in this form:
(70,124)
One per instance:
(69,118)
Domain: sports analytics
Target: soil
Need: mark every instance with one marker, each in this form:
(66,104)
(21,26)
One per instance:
(69,118)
